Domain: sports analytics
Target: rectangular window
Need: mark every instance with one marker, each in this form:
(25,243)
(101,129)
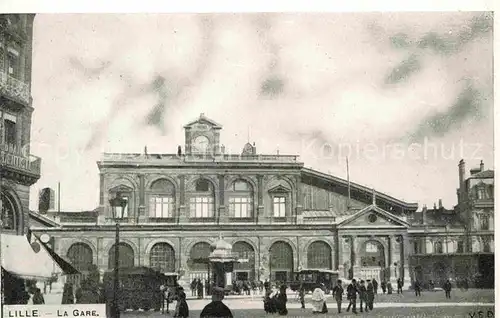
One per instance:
(279,207)
(485,222)
(125,209)
(10,131)
(481,193)
(240,207)
(161,207)
(202,207)
(460,247)
(12,65)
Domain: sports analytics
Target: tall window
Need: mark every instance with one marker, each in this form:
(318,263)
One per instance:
(125,256)
(484,222)
(10,131)
(481,192)
(202,202)
(438,248)
(13,64)
(241,200)
(486,245)
(460,246)
(162,258)
(279,206)
(319,255)
(416,248)
(8,213)
(162,199)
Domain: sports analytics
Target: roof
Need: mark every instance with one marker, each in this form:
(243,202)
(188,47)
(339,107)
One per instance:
(487,174)
(369,192)
(202,118)
(318,214)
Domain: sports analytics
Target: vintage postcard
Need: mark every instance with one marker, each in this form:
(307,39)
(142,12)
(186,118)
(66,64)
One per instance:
(247,164)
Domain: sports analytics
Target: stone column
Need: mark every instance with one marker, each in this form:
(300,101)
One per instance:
(223,216)
(100,254)
(142,200)
(182,215)
(300,201)
(429,248)
(406,262)
(103,196)
(336,263)
(491,222)
(354,255)
(261,218)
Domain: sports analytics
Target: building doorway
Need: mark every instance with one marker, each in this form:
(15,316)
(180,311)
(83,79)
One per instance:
(281,261)
(372,261)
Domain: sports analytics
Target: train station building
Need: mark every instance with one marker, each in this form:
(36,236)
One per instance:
(278,216)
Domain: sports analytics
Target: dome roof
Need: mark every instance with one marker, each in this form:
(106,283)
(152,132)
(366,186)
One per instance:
(220,244)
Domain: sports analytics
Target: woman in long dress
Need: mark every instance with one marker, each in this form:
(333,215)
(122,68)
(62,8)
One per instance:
(318,300)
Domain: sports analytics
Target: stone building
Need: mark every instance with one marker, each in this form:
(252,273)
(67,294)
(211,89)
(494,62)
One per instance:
(278,216)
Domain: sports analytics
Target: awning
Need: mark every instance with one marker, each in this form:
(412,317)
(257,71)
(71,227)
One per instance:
(21,259)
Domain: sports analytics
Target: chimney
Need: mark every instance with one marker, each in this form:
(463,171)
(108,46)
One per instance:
(424,214)
(179,151)
(435,207)
(145,150)
(440,203)
(254,149)
(481,166)
(461,177)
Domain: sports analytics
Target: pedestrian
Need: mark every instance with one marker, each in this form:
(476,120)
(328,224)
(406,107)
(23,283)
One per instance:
(267,285)
(466,284)
(181,308)
(200,288)
(169,297)
(318,299)
(193,287)
(383,286)
(216,308)
(269,306)
(370,295)
(400,285)
(337,292)
(362,296)
(281,301)
(352,292)
(447,288)
(417,288)
(38,297)
(302,295)
(375,286)
(67,296)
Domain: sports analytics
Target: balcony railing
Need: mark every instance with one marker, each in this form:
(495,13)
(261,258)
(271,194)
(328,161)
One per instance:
(15,158)
(173,158)
(14,88)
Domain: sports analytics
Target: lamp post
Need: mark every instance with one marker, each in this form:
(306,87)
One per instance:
(117,206)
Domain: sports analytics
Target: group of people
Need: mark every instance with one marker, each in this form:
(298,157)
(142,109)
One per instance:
(275,300)
(214,309)
(198,288)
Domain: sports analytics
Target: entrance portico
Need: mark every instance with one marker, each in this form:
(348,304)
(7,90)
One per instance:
(373,246)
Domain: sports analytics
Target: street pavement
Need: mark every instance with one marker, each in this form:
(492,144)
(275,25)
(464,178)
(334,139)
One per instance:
(430,304)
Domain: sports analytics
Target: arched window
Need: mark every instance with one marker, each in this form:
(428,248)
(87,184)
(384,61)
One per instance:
(438,247)
(198,257)
(202,200)
(372,254)
(245,270)
(281,261)
(126,256)
(241,199)
(162,199)
(9,212)
(81,256)
(162,258)
(319,256)
(126,193)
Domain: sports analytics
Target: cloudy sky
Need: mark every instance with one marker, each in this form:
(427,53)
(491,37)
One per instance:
(405,96)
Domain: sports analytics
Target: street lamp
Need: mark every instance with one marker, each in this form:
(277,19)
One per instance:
(118,205)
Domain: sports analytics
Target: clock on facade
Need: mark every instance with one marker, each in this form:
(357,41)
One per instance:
(200,144)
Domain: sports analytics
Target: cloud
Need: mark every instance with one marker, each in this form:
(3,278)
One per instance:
(272,87)
(404,70)
(469,104)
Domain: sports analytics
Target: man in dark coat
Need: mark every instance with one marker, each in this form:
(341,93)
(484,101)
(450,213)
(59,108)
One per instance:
(352,291)
(370,295)
(200,288)
(337,292)
(182,308)
(216,308)
(417,288)
(383,285)
(447,288)
(375,286)
(362,296)
(400,285)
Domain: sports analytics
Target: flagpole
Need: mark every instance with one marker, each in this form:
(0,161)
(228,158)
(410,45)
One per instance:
(348,185)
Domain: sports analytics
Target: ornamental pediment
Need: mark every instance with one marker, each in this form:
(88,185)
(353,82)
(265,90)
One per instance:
(373,217)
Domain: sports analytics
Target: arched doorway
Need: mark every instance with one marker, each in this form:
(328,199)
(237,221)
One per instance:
(372,261)
(125,258)
(281,261)
(162,258)
(198,261)
(245,270)
(9,212)
(319,255)
(81,256)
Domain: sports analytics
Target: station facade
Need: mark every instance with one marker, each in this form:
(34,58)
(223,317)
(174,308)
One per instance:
(278,216)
